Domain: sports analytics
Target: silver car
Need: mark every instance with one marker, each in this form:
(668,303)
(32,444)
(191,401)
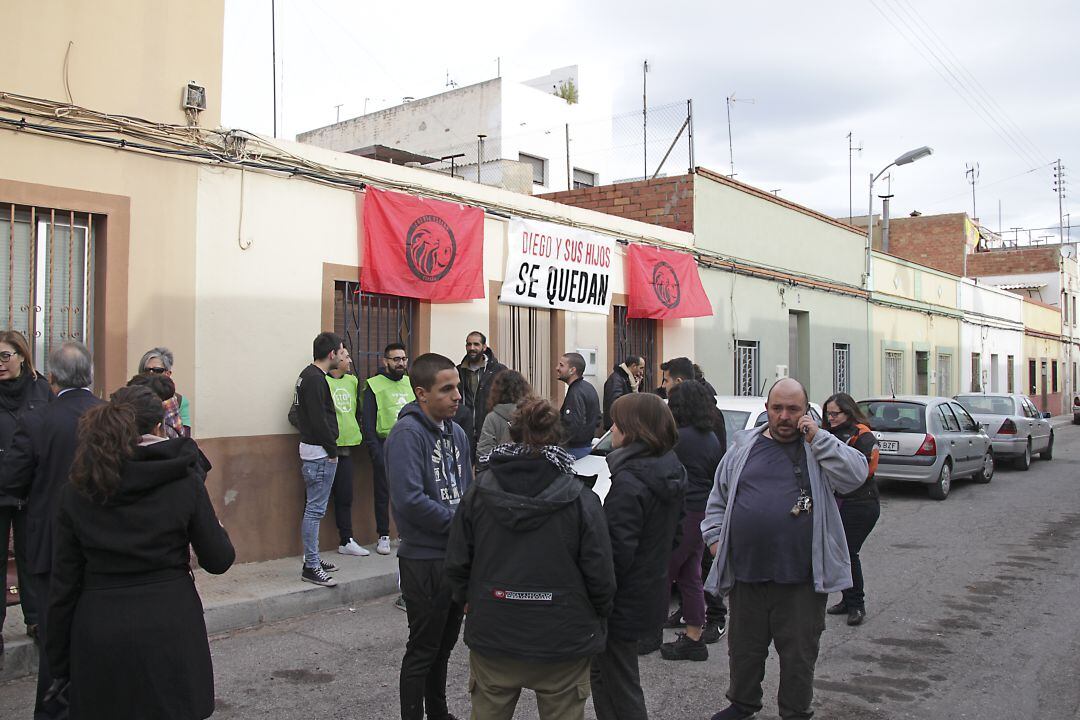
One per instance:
(930,440)
(1016,427)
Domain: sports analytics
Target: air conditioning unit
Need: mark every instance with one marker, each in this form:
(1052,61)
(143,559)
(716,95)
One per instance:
(193,97)
(781,372)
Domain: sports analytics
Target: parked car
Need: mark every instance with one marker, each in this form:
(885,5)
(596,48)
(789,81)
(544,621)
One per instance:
(1076,410)
(740,413)
(1015,426)
(929,440)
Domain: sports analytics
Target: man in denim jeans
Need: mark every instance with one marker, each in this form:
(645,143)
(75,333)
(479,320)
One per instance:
(314,415)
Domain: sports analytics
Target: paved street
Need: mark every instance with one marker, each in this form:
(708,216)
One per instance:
(972,614)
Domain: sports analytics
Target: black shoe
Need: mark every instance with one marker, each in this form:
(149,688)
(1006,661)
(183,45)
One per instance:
(317,576)
(31,631)
(712,633)
(855,616)
(684,648)
(650,644)
(839,608)
(328,566)
(734,712)
(675,619)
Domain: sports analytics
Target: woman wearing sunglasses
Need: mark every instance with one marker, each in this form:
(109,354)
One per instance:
(159,361)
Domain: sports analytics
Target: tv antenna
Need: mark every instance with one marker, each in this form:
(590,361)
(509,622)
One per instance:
(851,150)
(972,173)
(449,82)
(731,100)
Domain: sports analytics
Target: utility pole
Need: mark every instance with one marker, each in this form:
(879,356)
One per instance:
(731,99)
(273,56)
(645,120)
(850,152)
(337,108)
(1059,186)
(972,173)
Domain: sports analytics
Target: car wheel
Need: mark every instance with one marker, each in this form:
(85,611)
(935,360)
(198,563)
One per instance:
(1048,453)
(940,489)
(1024,461)
(986,473)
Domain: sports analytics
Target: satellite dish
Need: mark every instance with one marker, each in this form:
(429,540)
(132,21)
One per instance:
(1067,250)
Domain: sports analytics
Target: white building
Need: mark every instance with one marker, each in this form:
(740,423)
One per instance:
(533,140)
(991,339)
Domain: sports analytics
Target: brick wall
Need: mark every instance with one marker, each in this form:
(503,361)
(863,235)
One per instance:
(936,241)
(664,201)
(1014,262)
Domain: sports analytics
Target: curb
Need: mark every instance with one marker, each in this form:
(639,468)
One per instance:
(20,657)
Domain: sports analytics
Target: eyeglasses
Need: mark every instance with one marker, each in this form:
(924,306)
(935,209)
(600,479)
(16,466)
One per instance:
(397,359)
(157,370)
(5,355)
(835,414)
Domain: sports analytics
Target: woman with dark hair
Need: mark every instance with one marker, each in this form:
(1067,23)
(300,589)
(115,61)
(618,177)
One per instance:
(22,389)
(699,451)
(529,557)
(861,508)
(642,510)
(507,389)
(126,630)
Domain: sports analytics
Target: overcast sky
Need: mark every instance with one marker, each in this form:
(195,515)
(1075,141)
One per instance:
(991,82)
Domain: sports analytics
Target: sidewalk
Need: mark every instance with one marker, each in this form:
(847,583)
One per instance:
(247,595)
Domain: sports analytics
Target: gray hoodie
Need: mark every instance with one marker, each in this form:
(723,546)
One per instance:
(496,429)
(833,467)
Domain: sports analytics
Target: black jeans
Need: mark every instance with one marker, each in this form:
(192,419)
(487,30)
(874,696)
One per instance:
(434,624)
(859,516)
(792,617)
(14,520)
(616,683)
(715,610)
(381,491)
(342,491)
(40,585)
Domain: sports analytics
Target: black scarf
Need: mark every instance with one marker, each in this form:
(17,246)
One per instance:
(13,392)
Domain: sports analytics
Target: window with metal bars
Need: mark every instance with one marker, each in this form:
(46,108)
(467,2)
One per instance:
(976,372)
(1010,374)
(48,275)
(636,336)
(746,367)
(368,322)
(894,372)
(523,342)
(841,366)
(944,375)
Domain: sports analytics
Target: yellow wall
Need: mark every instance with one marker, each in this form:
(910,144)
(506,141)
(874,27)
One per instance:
(123,57)
(902,279)
(909,331)
(1042,319)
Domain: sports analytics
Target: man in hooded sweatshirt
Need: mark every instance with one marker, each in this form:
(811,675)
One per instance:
(429,457)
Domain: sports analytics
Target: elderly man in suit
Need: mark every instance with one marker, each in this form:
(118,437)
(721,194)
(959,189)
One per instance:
(37,466)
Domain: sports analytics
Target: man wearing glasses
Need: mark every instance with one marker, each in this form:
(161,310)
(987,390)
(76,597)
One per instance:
(384,396)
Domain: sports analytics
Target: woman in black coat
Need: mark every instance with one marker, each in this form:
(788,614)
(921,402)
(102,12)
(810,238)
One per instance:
(125,621)
(642,508)
(21,390)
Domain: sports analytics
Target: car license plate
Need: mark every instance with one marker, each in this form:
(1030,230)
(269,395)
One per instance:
(890,445)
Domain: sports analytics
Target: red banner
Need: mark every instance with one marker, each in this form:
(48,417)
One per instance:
(421,248)
(663,284)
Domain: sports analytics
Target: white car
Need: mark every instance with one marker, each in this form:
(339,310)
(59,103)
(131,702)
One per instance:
(741,412)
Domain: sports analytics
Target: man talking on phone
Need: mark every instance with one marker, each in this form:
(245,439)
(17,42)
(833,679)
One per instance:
(779,548)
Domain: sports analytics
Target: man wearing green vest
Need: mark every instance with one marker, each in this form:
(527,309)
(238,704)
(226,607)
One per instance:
(343,390)
(384,396)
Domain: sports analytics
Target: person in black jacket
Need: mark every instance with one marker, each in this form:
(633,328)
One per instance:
(125,620)
(530,557)
(624,379)
(22,389)
(36,467)
(642,508)
(699,451)
(477,370)
(314,416)
(580,410)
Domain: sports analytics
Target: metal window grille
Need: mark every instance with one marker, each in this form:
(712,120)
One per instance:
(1033,386)
(523,343)
(539,168)
(1054,376)
(584,178)
(636,336)
(894,372)
(841,353)
(746,367)
(976,372)
(944,375)
(47,277)
(1010,374)
(922,373)
(368,322)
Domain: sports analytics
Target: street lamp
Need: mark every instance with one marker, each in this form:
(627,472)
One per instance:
(909,157)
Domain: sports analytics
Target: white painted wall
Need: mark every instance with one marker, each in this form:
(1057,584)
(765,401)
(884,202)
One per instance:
(992,325)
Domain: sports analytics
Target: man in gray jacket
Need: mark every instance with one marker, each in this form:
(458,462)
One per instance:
(778,541)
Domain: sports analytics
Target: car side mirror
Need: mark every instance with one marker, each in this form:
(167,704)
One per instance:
(1046,416)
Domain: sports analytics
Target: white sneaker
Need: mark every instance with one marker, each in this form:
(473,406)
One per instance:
(383,548)
(352,548)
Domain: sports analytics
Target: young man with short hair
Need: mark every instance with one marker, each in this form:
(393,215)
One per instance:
(580,412)
(316,419)
(384,396)
(429,457)
(343,389)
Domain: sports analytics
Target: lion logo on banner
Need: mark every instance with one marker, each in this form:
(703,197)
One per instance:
(430,248)
(665,282)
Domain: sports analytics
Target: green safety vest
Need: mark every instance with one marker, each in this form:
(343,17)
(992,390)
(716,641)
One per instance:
(343,391)
(390,397)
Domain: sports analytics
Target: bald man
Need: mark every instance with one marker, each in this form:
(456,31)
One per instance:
(775,532)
